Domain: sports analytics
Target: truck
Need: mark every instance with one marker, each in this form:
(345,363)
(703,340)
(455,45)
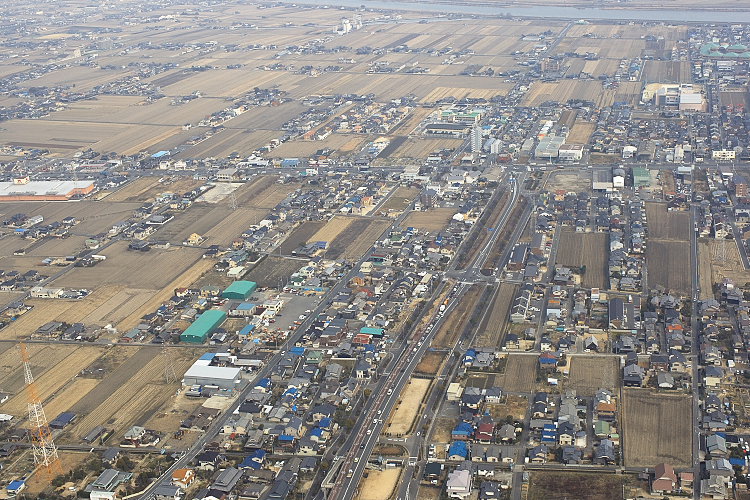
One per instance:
(442,307)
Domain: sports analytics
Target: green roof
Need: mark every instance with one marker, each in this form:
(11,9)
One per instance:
(205,325)
(239,290)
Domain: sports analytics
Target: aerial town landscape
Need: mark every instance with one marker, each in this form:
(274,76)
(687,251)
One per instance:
(374,251)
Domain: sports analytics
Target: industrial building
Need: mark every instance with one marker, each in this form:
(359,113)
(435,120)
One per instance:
(641,177)
(203,374)
(205,325)
(23,189)
(239,290)
(549,146)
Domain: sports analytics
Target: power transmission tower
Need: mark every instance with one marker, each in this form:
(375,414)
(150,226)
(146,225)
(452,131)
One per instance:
(233,199)
(45,451)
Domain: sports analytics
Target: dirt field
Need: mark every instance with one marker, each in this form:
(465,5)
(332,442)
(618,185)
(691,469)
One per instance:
(580,132)
(492,331)
(666,262)
(663,224)
(417,147)
(406,410)
(515,406)
(578,485)
(269,271)
(218,223)
(564,90)
(379,485)
(356,238)
(300,236)
(520,373)
(588,374)
(333,228)
(657,428)
(585,249)
(568,181)
(430,363)
(434,219)
(719,259)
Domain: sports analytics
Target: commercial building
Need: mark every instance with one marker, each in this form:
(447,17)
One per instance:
(602,179)
(549,146)
(239,290)
(641,177)
(205,325)
(23,189)
(570,152)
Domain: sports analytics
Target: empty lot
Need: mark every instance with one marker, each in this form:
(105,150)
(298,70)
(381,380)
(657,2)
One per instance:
(433,219)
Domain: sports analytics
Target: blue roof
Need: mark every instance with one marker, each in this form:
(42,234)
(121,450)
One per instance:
(463,428)
(325,422)
(15,485)
(299,351)
(458,448)
(247,329)
(249,463)
(317,432)
(737,461)
(209,356)
(160,154)
(286,437)
(264,382)
(245,306)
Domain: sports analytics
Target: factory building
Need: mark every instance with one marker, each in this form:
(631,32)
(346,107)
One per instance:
(205,325)
(239,290)
(203,374)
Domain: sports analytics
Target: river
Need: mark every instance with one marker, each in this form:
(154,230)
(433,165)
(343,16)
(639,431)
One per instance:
(619,14)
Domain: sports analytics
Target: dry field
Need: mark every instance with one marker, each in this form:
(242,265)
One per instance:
(339,143)
(262,192)
(657,428)
(356,238)
(580,132)
(563,90)
(273,270)
(585,249)
(140,389)
(492,331)
(95,216)
(219,223)
(379,484)
(407,408)
(434,219)
(588,374)
(132,268)
(300,236)
(663,224)
(333,228)
(520,373)
(667,71)
(578,485)
(666,261)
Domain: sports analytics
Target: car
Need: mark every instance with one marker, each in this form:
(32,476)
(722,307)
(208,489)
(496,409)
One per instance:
(369,431)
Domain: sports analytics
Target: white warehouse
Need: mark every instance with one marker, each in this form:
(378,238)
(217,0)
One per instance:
(202,373)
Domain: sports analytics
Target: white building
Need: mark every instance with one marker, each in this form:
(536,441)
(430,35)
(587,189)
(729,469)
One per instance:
(570,152)
(459,484)
(202,373)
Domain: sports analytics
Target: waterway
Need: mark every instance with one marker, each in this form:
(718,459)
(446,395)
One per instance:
(561,12)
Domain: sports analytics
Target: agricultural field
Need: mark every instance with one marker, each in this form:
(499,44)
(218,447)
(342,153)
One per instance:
(719,259)
(434,219)
(563,90)
(145,189)
(588,374)
(585,249)
(657,428)
(301,235)
(666,261)
(580,132)
(520,373)
(578,485)
(407,408)
(667,225)
(356,238)
(273,270)
(492,331)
